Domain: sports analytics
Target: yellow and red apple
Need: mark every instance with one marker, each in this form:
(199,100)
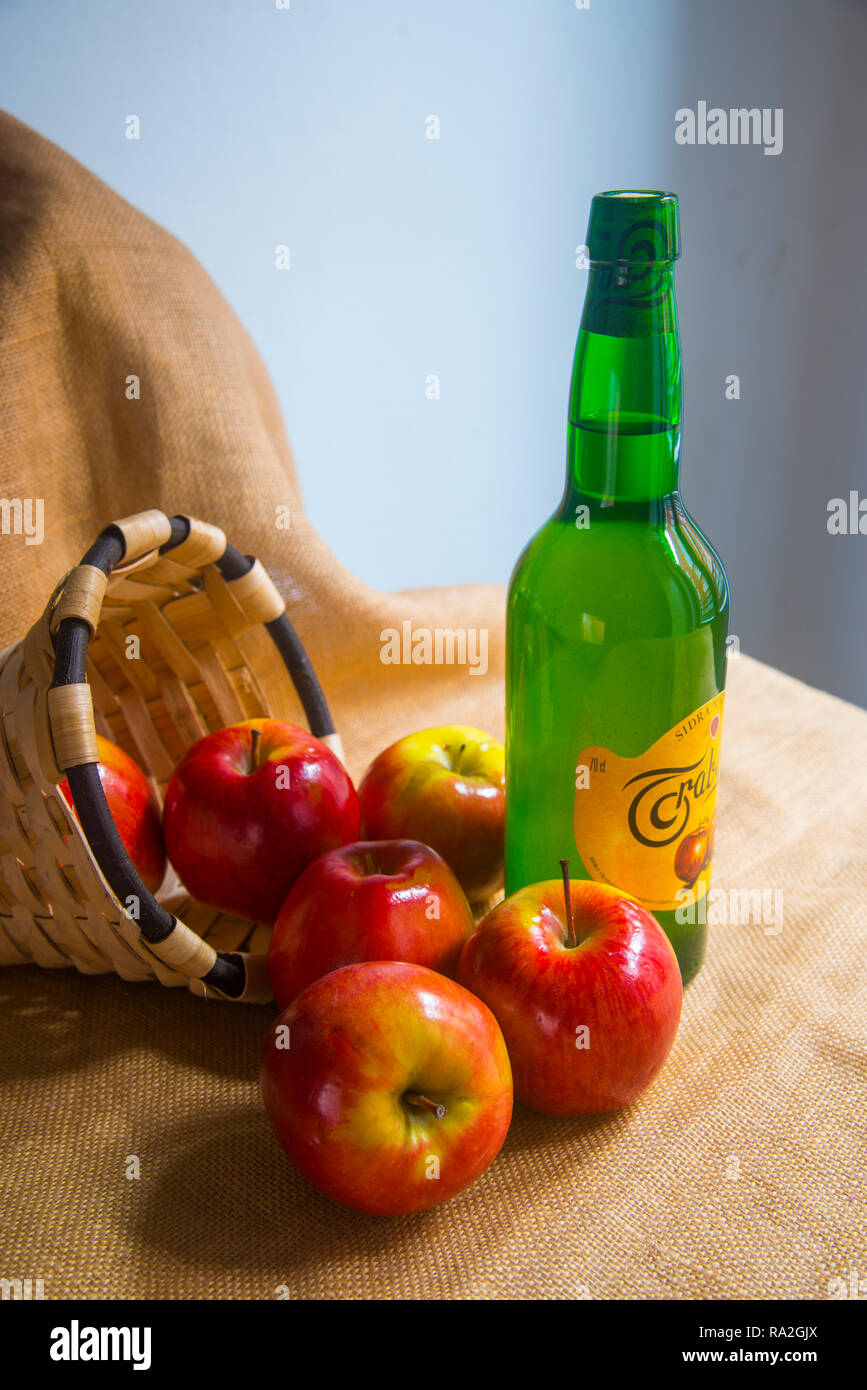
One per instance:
(388,1086)
(134,809)
(588,995)
(446,787)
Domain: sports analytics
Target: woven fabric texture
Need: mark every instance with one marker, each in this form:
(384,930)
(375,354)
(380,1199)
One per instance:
(739,1173)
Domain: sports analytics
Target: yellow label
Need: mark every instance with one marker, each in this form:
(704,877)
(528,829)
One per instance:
(645,824)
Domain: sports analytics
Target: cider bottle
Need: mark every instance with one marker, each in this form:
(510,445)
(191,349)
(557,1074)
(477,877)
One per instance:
(618,610)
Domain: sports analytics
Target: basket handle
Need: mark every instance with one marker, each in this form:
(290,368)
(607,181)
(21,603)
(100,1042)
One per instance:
(225,972)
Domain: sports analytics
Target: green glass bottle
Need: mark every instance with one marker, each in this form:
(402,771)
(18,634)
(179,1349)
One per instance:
(618,610)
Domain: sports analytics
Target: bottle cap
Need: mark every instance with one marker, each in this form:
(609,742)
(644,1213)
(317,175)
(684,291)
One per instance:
(633,226)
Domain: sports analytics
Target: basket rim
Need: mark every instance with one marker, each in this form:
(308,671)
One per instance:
(70,621)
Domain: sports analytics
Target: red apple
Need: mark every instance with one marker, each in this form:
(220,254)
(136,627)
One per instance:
(374,900)
(247,809)
(447,788)
(134,809)
(588,1025)
(388,1086)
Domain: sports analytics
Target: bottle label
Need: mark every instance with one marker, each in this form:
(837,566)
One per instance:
(645,824)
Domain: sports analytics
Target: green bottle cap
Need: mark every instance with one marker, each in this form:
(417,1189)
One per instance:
(633,226)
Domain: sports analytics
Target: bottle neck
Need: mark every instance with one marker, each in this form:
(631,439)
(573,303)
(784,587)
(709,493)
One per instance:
(625,404)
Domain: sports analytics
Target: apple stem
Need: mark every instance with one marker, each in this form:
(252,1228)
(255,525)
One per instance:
(456,760)
(255,736)
(416,1099)
(571,938)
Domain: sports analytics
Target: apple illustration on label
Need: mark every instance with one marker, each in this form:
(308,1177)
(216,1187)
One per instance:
(587,990)
(388,1086)
(445,786)
(247,809)
(694,854)
(373,900)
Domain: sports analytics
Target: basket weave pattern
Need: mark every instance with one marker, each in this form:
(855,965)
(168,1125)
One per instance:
(182,676)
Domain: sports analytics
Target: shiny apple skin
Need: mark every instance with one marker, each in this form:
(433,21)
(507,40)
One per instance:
(237,838)
(134,809)
(372,900)
(621,981)
(424,788)
(359,1040)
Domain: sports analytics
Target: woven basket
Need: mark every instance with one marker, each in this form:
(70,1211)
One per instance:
(68,891)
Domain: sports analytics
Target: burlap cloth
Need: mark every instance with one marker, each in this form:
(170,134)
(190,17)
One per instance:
(741,1172)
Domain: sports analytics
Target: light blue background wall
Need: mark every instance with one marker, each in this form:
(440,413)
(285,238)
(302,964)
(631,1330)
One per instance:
(456,256)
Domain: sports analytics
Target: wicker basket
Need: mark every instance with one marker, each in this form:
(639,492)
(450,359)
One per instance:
(69,894)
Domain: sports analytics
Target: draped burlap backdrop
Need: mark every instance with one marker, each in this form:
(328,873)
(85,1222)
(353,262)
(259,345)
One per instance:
(739,1173)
